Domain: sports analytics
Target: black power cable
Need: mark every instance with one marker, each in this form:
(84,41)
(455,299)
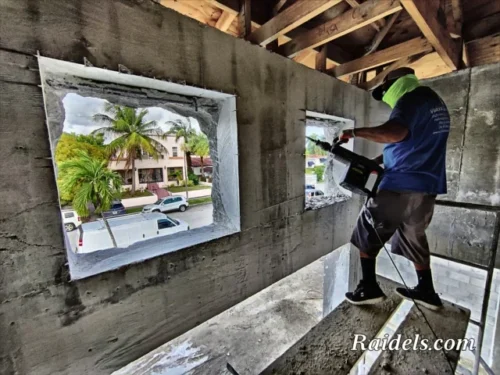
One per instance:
(372,222)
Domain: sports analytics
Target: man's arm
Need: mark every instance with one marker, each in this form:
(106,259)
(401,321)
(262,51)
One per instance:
(390,132)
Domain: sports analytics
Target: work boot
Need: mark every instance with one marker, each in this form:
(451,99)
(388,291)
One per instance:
(428,299)
(366,294)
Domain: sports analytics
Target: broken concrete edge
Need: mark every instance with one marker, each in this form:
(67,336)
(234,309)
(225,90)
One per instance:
(216,115)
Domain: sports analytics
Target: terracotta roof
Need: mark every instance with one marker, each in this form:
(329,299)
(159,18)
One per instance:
(196,161)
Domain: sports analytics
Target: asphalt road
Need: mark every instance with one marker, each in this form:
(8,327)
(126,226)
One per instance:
(196,217)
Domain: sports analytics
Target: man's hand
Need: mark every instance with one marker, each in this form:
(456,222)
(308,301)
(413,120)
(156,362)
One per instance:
(346,135)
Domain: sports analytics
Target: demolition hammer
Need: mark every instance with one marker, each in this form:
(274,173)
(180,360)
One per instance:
(359,174)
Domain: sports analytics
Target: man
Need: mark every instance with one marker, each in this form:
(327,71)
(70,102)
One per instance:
(415,172)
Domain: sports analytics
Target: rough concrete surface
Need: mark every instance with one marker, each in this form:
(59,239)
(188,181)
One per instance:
(249,335)
(448,323)
(50,325)
(326,348)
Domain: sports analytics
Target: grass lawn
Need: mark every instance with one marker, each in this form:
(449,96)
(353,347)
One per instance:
(133,210)
(179,189)
(201,200)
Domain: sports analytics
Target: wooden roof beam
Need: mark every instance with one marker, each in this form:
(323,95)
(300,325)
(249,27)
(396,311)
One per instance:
(383,57)
(347,22)
(225,20)
(425,15)
(382,34)
(379,78)
(293,16)
(377,25)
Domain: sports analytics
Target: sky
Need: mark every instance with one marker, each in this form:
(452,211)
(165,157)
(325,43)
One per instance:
(79,111)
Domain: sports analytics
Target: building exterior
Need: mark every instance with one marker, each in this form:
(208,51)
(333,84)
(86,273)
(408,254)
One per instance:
(148,170)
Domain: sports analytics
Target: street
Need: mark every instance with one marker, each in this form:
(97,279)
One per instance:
(196,217)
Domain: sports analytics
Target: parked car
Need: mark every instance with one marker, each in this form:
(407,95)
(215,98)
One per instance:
(174,203)
(117,209)
(127,230)
(313,193)
(310,187)
(71,220)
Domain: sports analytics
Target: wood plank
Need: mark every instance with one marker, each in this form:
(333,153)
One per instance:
(245,18)
(293,16)
(487,26)
(454,18)
(304,56)
(484,51)
(377,25)
(431,65)
(280,4)
(385,56)
(353,19)
(225,20)
(326,348)
(321,58)
(379,78)
(448,323)
(425,14)
(382,33)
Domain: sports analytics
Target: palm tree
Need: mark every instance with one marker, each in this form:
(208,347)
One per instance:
(183,129)
(199,146)
(90,181)
(131,135)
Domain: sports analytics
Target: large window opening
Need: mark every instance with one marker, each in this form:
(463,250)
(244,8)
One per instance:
(129,158)
(322,171)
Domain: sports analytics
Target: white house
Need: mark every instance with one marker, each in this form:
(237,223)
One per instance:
(148,170)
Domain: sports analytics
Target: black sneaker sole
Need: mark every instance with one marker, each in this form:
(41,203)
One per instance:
(421,303)
(371,301)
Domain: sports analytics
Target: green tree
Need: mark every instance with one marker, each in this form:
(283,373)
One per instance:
(183,129)
(178,176)
(319,171)
(70,144)
(198,145)
(131,134)
(89,180)
(312,148)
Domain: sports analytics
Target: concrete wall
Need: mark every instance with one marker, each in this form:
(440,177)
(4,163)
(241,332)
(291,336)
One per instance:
(49,325)
(473,164)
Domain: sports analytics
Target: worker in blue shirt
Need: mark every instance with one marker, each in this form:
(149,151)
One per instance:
(414,160)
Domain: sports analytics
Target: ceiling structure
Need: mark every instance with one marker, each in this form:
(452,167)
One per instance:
(361,41)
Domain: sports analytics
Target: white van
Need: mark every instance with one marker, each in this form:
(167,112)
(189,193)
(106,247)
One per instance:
(126,229)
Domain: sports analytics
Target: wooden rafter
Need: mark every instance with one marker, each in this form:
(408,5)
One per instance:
(321,58)
(225,20)
(293,16)
(383,57)
(280,4)
(245,16)
(377,25)
(382,34)
(379,78)
(455,19)
(484,51)
(425,14)
(353,19)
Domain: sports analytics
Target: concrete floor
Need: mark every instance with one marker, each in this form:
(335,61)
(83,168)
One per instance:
(249,336)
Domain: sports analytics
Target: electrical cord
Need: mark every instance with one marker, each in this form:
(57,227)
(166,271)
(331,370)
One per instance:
(372,222)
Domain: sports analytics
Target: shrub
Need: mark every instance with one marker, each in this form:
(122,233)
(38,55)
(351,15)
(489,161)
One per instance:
(319,171)
(194,178)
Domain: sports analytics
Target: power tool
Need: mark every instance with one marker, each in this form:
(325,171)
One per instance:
(360,174)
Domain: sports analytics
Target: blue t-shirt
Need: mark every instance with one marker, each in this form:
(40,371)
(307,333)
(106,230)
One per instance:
(418,163)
